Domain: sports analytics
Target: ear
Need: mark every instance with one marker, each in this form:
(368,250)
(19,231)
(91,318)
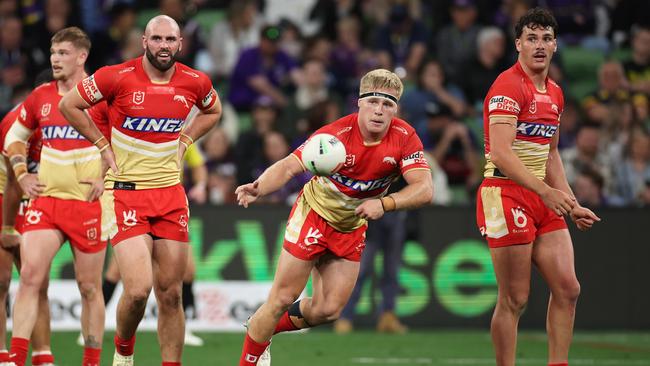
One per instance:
(359,103)
(180,44)
(518,44)
(144,42)
(83,56)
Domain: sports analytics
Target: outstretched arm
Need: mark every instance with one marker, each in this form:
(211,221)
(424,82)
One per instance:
(273,178)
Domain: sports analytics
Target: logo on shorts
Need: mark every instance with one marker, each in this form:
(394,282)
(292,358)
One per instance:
(130,218)
(519,217)
(182,220)
(251,358)
(138,97)
(33,217)
(91,233)
(312,236)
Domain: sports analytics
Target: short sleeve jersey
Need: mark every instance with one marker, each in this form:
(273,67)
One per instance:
(146,118)
(67,158)
(513,94)
(367,173)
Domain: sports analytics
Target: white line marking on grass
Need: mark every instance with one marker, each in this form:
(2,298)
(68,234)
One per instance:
(392,361)
(541,361)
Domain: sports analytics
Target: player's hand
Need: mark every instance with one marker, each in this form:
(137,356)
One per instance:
(558,201)
(370,209)
(198,193)
(9,238)
(247,193)
(96,188)
(108,161)
(30,185)
(583,217)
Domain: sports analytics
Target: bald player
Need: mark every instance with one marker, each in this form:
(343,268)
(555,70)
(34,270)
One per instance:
(145,210)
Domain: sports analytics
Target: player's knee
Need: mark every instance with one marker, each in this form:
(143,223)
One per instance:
(137,297)
(569,291)
(170,298)
(283,301)
(31,276)
(88,290)
(516,302)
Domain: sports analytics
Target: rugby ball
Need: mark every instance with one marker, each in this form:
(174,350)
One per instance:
(323,154)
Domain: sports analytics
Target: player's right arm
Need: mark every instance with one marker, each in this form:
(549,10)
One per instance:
(273,178)
(73,106)
(16,148)
(503,131)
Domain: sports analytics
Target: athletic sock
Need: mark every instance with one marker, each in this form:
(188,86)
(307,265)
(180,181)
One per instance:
(251,351)
(42,358)
(108,288)
(18,351)
(4,356)
(124,346)
(559,364)
(188,299)
(285,324)
(92,356)
(165,363)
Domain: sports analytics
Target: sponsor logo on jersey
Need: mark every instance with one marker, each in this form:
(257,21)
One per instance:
(138,97)
(180,98)
(536,129)
(503,103)
(61,132)
(192,74)
(414,158)
(126,70)
(91,89)
(349,160)
(400,129)
(207,100)
(45,109)
(344,130)
(390,160)
(363,185)
(149,124)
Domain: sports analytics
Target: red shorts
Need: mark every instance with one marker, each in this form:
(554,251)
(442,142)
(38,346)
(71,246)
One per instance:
(508,214)
(308,236)
(161,212)
(79,221)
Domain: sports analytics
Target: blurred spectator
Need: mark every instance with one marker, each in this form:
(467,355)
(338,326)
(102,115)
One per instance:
(637,69)
(586,154)
(431,87)
(291,41)
(588,188)
(452,145)
(276,148)
(57,14)
(15,64)
(8,9)
(249,150)
(577,22)
(107,44)
(569,123)
(328,14)
(222,169)
(401,43)
(486,67)
(457,41)
(190,30)
(616,129)
(313,88)
(633,173)
(132,46)
(314,118)
(240,30)
(613,87)
(263,71)
(319,48)
(196,175)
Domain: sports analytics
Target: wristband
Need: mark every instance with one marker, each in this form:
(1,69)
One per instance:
(9,230)
(186,140)
(388,203)
(101,143)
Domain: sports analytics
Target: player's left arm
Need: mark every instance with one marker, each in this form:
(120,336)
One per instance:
(418,192)
(209,114)
(583,217)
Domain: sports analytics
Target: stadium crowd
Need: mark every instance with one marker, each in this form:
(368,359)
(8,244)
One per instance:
(283,68)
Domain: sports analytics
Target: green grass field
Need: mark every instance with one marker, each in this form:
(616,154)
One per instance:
(320,348)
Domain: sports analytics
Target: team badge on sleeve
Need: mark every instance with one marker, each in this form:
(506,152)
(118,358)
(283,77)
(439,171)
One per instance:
(91,89)
(503,103)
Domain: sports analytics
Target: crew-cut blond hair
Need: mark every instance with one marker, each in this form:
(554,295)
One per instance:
(381,79)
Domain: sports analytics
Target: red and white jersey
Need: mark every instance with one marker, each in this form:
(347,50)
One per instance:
(368,171)
(538,118)
(146,118)
(66,156)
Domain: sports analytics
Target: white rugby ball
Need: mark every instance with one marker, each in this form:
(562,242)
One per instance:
(323,154)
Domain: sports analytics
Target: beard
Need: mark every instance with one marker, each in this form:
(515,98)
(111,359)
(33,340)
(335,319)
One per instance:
(161,66)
